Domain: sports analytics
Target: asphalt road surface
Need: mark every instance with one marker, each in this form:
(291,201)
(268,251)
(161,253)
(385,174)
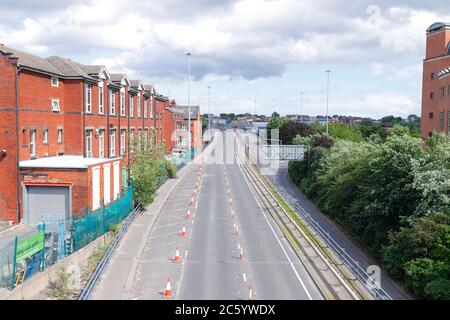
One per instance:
(211,266)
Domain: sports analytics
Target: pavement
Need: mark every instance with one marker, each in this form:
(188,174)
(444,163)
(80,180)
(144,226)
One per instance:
(211,266)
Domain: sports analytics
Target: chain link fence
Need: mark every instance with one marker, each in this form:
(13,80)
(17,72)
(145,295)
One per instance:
(100,221)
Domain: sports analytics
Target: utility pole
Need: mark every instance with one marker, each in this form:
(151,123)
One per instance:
(188,54)
(328,91)
(301,107)
(209,112)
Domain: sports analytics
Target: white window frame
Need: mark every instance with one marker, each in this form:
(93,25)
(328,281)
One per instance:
(131,106)
(87,98)
(151,107)
(139,106)
(112,142)
(122,102)
(101,143)
(88,138)
(33,143)
(112,98)
(56,108)
(101,99)
(59,135)
(45,136)
(131,139)
(122,141)
(145,107)
(54,84)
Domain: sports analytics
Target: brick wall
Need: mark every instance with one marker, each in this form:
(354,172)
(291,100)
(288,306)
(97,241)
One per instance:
(8,172)
(434,62)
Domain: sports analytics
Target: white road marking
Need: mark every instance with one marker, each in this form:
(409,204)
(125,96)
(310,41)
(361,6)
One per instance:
(275,235)
(245,278)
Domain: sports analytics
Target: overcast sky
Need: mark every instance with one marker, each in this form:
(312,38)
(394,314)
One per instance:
(268,50)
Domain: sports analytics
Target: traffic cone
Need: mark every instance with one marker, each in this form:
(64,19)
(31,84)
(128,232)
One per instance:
(183,231)
(232,214)
(191,202)
(168,292)
(241,256)
(250,293)
(188,214)
(177,257)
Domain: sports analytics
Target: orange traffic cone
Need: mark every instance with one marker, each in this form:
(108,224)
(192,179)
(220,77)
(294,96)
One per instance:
(168,292)
(183,231)
(188,214)
(250,293)
(177,257)
(241,257)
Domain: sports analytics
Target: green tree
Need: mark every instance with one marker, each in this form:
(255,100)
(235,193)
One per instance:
(147,167)
(275,124)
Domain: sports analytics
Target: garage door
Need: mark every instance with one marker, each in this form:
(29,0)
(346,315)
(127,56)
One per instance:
(46,203)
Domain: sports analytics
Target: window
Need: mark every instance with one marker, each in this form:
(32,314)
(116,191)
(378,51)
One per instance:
(431,115)
(32,143)
(88,142)
(55,105)
(131,139)
(112,142)
(88,98)
(45,136)
(101,143)
(139,106)
(122,141)
(145,107)
(112,98)
(139,136)
(131,106)
(60,136)
(101,109)
(432,95)
(441,121)
(55,82)
(442,91)
(151,107)
(448,121)
(122,103)
(433,76)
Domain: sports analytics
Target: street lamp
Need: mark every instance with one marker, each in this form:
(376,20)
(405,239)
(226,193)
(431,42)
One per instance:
(209,112)
(328,89)
(188,54)
(301,107)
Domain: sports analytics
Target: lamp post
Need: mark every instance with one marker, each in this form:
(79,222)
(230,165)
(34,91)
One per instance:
(209,112)
(328,89)
(301,107)
(188,54)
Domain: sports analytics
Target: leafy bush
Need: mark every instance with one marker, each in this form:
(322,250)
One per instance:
(393,195)
(171,168)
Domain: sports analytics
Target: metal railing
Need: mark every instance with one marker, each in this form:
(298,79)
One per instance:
(86,292)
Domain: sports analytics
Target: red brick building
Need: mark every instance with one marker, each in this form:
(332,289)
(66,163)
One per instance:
(65,134)
(436,81)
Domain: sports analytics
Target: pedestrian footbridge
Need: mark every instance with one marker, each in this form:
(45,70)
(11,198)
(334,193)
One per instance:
(282,152)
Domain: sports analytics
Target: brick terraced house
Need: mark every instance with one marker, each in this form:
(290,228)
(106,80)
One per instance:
(436,81)
(65,134)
